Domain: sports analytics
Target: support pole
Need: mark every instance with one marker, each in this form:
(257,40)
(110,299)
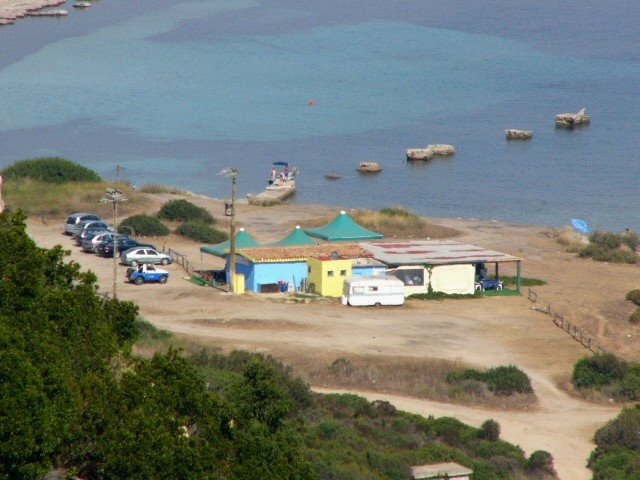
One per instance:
(232,239)
(115,250)
(518,276)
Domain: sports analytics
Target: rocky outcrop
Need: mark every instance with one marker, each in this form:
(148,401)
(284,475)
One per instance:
(369,167)
(513,134)
(81,5)
(420,154)
(569,120)
(442,149)
(332,176)
(10,10)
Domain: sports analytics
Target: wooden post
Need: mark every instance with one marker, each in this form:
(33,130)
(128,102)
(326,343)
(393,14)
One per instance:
(518,276)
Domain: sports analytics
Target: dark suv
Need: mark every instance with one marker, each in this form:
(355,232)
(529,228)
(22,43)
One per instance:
(105,249)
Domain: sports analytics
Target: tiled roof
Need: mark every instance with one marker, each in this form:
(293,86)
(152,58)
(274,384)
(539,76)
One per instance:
(302,252)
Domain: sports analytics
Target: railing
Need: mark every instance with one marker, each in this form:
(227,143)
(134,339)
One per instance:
(180,259)
(575,331)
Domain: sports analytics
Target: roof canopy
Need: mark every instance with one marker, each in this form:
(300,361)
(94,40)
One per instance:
(433,252)
(243,240)
(303,252)
(343,228)
(296,237)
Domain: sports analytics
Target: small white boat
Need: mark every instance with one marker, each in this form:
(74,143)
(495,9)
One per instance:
(279,186)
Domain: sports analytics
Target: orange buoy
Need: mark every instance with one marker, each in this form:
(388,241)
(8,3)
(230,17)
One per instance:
(312,102)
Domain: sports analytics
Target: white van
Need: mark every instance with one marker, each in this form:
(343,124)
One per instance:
(373,290)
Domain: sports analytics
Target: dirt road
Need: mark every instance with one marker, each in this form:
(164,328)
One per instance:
(485,332)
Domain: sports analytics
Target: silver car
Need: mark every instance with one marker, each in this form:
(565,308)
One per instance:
(75,218)
(137,255)
(90,244)
(84,228)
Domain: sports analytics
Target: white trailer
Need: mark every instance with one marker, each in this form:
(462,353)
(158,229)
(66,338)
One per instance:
(372,290)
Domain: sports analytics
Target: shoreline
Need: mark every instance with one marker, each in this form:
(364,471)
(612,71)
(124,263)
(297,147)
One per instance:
(11,10)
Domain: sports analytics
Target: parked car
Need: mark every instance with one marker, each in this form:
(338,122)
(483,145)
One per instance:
(75,218)
(124,243)
(136,256)
(90,225)
(89,231)
(144,273)
(89,244)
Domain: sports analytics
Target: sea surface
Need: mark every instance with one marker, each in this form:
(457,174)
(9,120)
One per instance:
(173,91)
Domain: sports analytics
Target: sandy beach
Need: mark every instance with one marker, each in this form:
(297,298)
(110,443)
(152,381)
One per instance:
(486,333)
(10,10)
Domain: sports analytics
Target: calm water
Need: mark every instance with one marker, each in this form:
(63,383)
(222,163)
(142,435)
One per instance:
(174,91)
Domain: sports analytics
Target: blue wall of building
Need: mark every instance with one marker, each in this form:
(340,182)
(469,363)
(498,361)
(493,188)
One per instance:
(366,270)
(256,274)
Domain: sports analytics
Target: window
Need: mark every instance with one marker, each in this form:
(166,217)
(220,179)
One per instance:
(151,252)
(358,289)
(372,289)
(343,273)
(309,270)
(329,273)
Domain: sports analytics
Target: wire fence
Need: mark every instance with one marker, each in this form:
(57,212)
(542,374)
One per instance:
(575,331)
(181,260)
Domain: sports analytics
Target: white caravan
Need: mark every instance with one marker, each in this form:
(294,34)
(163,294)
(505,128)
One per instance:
(373,290)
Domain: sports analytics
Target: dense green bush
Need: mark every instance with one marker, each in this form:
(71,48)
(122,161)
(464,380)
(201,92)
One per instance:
(182,211)
(540,462)
(617,453)
(50,169)
(143,225)
(490,430)
(503,380)
(612,247)
(201,232)
(634,296)
(598,370)
(635,316)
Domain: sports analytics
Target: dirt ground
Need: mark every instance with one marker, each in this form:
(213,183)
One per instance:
(485,332)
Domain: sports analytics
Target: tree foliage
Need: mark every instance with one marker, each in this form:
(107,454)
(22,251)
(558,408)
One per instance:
(183,211)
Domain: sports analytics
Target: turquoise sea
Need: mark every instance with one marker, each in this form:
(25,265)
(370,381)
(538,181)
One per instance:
(174,91)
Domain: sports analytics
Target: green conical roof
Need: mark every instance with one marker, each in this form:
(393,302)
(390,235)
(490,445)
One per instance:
(296,237)
(243,240)
(343,228)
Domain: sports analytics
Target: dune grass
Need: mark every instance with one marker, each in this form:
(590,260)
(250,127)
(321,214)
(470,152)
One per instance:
(35,197)
(156,188)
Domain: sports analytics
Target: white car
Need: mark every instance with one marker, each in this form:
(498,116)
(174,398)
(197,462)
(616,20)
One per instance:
(137,255)
(91,244)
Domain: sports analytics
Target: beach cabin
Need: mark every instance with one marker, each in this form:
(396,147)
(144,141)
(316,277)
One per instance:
(441,471)
(361,291)
(327,274)
(439,265)
(269,269)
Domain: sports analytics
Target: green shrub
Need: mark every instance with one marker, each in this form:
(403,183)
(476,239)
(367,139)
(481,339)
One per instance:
(541,462)
(598,370)
(143,225)
(503,380)
(201,232)
(629,388)
(490,430)
(51,170)
(181,210)
(634,296)
(635,316)
(622,431)
(445,296)
(612,247)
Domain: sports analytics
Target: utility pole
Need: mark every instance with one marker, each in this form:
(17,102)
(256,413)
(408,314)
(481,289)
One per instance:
(233,173)
(114,197)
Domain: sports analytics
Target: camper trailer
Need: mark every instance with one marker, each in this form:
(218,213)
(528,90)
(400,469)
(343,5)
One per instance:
(373,290)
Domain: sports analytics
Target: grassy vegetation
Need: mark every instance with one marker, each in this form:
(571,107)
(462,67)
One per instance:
(156,188)
(510,281)
(609,375)
(56,199)
(402,223)
(445,296)
(612,247)
(50,170)
(201,232)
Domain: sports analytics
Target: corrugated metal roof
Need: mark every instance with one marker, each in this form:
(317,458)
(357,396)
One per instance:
(302,252)
(433,252)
